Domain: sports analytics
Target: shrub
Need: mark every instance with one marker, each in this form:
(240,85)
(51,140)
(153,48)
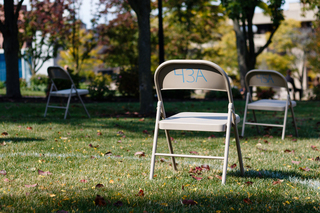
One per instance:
(39,80)
(128,82)
(2,84)
(316,93)
(23,83)
(264,93)
(98,88)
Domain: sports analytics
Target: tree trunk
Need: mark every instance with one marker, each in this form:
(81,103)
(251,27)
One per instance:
(142,9)
(11,49)
(241,51)
(160,33)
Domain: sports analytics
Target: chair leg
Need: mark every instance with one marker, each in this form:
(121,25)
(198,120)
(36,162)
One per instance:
(84,105)
(238,149)
(45,112)
(226,149)
(294,121)
(285,121)
(155,139)
(67,108)
(255,120)
(173,161)
(244,119)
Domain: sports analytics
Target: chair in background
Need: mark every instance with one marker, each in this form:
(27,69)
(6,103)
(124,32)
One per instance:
(194,74)
(267,78)
(56,72)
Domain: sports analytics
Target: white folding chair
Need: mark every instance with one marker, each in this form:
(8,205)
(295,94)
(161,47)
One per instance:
(194,74)
(267,78)
(56,72)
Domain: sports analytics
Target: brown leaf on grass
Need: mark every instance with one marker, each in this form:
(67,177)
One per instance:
(120,132)
(247,166)
(92,157)
(197,178)
(99,133)
(211,136)
(142,119)
(62,211)
(171,164)
(140,154)
(194,152)
(266,141)
(210,177)
(29,186)
(233,166)
(182,187)
(93,146)
(205,167)
(3,172)
(277,182)
(29,128)
(99,185)
(317,158)
(44,173)
(249,183)
(145,131)
(296,162)
(288,151)
(108,153)
(119,141)
(314,148)
(83,181)
(4,134)
(189,202)
(294,139)
(140,193)
(218,176)
(118,203)
(99,201)
(304,169)
(247,201)
(163,160)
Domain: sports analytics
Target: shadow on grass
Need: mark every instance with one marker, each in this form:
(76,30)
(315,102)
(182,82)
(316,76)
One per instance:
(16,140)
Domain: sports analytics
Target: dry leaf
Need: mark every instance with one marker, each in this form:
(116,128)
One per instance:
(83,181)
(99,201)
(247,201)
(29,128)
(197,178)
(233,166)
(140,193)
(3,172)
(28,186)
(277,182)
(140,154)
(108,153)
(218,176)
(189,202)
(305,169)
(4,134)
(44,173)
(249,183)
(296,162)
(99,185)
(194,152)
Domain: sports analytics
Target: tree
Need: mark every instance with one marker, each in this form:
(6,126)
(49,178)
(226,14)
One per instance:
(44,30)
(241,13)
(9,30)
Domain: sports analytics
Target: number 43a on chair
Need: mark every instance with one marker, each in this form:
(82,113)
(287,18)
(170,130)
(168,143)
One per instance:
(190,75)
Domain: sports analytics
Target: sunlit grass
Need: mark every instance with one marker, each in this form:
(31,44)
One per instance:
(62,148)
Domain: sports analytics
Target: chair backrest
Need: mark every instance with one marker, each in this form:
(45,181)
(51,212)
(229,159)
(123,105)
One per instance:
(56,72)
(268,78)
(191,74)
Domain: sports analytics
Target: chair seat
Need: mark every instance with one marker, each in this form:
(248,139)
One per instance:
(197,121)
(270,105)
(66,92)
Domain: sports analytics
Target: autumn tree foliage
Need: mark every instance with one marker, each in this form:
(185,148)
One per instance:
(45,30)
(9,30)
(241,13)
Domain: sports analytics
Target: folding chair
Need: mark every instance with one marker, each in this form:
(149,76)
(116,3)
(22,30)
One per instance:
(194,74)
(268,78)
(56,72)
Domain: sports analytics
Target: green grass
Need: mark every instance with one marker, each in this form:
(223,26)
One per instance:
(26,93)
(62,147)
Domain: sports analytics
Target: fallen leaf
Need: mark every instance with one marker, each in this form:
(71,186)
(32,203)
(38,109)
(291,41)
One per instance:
(249,183)
(247,166)
(118,204)
(314,148)
(194,152)
(83,181)
(296,162)
(99,133)
(120,132)
(92,157)
(266,141)
(163,160)
(99,185)
(64,138)
(3,143)
(62,211)
(205,167)
(44,173)
(119,141)
(140,154)
(140,193)
(4,134)
(3,172)
(305,169)
(142,119)
(99,201)
(29,128)
(247,201)
(197,178)
(108,153)
(52,195)
(317,158)
(289,151)
(277,182)
(233,166)
(189,202)
(294,139)
(93,146)
(218,176)
(145,131)
(28,186)
(182,187)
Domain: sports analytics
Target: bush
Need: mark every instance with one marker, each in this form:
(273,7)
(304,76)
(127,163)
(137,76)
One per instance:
(39,80)
(223,95)
(23,83)
(316,93)
(2,84)
(263,93)
(98,88)
(128,82)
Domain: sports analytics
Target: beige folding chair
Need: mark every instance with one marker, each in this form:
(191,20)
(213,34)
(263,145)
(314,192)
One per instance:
(268,78)
(194,74)
(56,72)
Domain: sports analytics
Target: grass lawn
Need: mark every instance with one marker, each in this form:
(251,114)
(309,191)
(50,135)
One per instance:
(281,175)
(26,93)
